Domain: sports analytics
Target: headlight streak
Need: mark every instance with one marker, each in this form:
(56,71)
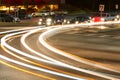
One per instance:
(43,37)
(17,68)
(3,43)
(30,55)
(63,64)
(23,29)
(39,64)
(24,54)
(38,68)
(49,33)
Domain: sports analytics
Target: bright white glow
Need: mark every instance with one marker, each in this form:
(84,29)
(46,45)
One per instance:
(48,23)
(9,31)
(40,19)
(49,20)
(102,27)
(117,16)
(102,19)
(39,23)
(76,22)
(68,22)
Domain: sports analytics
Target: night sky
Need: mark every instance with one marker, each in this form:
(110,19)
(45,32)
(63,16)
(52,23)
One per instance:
(94,4)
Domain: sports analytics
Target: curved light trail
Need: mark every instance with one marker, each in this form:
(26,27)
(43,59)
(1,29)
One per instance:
(50,32)
(3,40)
(23,42)
(34,63)
(57,62)
(43,37)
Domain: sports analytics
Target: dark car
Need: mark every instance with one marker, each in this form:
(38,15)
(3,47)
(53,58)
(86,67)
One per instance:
(59,18)
(75,19)
(8,18)
(51,19)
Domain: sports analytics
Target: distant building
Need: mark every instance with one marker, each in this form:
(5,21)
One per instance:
(8,5)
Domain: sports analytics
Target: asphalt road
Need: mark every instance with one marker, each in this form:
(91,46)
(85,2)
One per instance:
(89,44)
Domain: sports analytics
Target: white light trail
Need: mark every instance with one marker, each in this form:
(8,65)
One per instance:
(38,68)
(44,36)
(22,29)
(3,41)
(63,64)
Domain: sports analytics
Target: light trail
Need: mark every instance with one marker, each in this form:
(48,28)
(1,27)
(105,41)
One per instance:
(63,64)
(21,58)
(43,37)
(59,64)
(20,52)
(23,29)
(15,50)
(38,68)
(47,34)
(23,70)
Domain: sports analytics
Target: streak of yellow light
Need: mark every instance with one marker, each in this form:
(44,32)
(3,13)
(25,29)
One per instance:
(42,65)
(42,76)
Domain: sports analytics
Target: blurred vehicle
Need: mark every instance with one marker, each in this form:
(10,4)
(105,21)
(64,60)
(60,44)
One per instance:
(59,18)
(110,16)
(101,17)
(51,20)
(24,16)
(42,13)
(97,19)
(8,18)
(75,19)
(45,21)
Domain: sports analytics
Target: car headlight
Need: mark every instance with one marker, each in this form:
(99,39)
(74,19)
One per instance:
(76,22)
(68,22)
(117,16)
(40,19)
(102,19)
(49,20)
(65,20)
(39,23)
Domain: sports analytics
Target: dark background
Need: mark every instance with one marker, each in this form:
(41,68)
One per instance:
(94,4)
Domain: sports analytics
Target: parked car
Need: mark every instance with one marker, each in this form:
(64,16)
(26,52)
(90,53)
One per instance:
(8,18)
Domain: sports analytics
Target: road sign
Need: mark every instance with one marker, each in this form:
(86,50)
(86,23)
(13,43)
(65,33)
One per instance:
(101,7)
